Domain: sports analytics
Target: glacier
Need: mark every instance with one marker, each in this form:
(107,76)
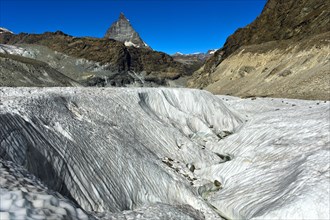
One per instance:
(160,153)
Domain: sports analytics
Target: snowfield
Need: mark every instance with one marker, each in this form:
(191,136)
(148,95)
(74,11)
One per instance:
(138,153)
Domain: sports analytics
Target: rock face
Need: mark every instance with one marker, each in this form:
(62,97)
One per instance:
(117,62)
(284,29)
(122,31)
(163,152)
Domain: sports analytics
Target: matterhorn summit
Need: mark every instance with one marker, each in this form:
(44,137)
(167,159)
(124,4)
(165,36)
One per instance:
(122,30)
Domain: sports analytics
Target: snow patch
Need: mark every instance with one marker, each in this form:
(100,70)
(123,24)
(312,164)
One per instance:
(131,44)
(213,51)
(4,30)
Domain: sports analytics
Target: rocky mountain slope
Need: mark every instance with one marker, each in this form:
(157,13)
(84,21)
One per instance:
(21,71)
(122,31)
(88,73)
(129,153)
(119,64)
(284,52)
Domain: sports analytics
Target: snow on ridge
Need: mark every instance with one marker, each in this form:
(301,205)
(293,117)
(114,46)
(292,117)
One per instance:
(178,53)
(4,30)
(212,51)
(130,44)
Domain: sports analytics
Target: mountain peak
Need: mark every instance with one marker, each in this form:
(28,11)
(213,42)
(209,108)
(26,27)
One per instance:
(122,16)
(122,31)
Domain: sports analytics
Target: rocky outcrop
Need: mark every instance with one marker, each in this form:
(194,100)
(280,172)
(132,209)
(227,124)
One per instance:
(282,28)
(122,31)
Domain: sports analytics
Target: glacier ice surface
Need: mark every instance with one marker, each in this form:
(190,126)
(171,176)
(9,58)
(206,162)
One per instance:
(147,153)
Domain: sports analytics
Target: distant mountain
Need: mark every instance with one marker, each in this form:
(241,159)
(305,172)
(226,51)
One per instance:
(188,54)
(194,60)
(122,31)
(198,55)
(4,30)
(283,53)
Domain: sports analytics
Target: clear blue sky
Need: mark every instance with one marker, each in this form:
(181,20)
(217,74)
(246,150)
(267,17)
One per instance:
(186,26)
